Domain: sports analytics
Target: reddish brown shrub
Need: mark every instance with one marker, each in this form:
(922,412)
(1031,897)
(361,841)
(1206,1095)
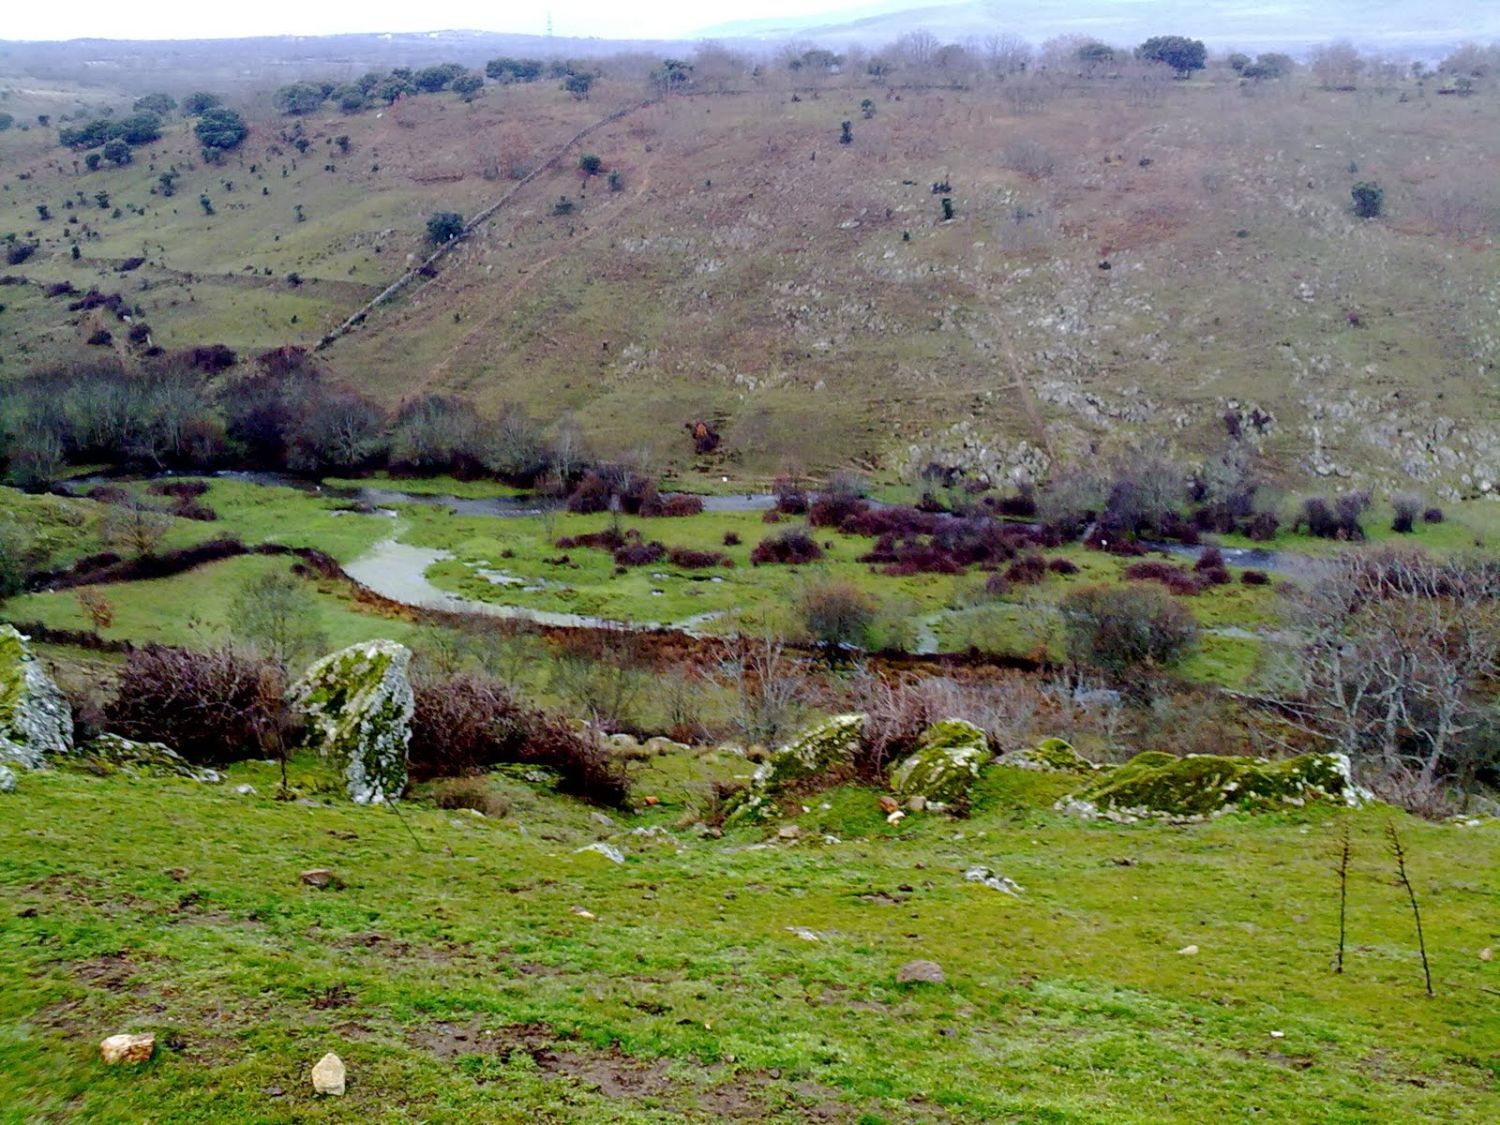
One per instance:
(213,706)
(790,547)
(677,505)
(1255,578)
(1174,578)
(732,539)
(637,553)
(1029,568)
(591,495)
(1062,566)
(689,559)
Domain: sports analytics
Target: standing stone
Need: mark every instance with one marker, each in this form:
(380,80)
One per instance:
(35,718)
(328,1076)
(358,703)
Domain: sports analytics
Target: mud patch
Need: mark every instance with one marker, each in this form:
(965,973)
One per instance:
(109,971)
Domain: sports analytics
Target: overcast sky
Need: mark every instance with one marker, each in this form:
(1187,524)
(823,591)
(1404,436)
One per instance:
(192,19)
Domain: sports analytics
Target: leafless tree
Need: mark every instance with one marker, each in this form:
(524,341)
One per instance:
(135,525)
(1392,658)
(767,684)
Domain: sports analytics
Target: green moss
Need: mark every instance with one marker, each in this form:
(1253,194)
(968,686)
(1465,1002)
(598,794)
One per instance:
(944,766)
(1051,755)
(819,749)
(1203,785)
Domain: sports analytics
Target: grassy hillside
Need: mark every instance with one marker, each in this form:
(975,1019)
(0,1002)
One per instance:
(1127,261)
(484,969)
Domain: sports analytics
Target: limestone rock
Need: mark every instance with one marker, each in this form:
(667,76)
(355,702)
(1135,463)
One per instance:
(944,766)
(127,1048)
(117,752)
(329,1076)
(926,972)
(358,703)
(7,779)
(1200,786)
(1050,755)
(820,748)
(35,718)
(321,877)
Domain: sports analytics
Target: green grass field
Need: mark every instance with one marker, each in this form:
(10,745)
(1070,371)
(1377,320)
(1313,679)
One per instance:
(457,980)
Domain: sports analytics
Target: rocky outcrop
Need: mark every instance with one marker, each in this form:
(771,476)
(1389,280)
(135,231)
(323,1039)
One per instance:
(1200,786)
(35,719)
(819,749)
(358,705)
(944,766)
(116,752)
(1050,755)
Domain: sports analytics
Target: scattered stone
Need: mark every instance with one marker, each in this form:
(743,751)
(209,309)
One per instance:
(1278,1035)
(358,703)
(176,874)
(1189,951)
(896,817)
(925,972)
(820,748)
(789,832)
(329,1076)
(608,851)
(1200,786)
(321,877)
(1050,755)
(804,933)
(650,802)
(116,752)
(1486,954)
(944,766)
(980,874)
(127,1048)
(36,720)
(245,790)
(7,779)
(889,804)
(581,912)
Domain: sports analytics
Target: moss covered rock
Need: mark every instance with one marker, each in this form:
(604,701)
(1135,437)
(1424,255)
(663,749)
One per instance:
(35,718)
(1198,786)
(115,752)
(358,704)
(820,748)
(944,766)
(1050,755)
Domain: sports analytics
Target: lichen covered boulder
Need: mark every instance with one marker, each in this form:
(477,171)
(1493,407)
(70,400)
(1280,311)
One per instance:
(358,705)
(115,752)
(822,747)
(1200,786)
(1050,755)
(35,719)
(944,766)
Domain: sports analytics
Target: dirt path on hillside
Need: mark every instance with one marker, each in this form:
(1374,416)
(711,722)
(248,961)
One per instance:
(502,306)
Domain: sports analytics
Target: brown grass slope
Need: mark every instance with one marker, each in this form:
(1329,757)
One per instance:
(808,297)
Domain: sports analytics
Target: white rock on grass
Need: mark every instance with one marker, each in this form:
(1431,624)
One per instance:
(7,779)
(329,1076)
(117,752)
(127,1049)
(36,720)
(358,703)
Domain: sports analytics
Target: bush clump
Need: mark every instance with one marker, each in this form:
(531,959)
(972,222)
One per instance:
(211,707)
(791,547)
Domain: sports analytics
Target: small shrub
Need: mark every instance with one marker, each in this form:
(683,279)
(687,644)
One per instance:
(997,585)
(1126,631)
(1208,559)
(689,559)
(468,793)
(1062,566)
(637,553)
(791,497)
(213,706)
(838,613)
(444,226)
(1432,515)
(1406,509)
(1027,570)
(790,547)
(1255,578)
(732,539)
(1174,578)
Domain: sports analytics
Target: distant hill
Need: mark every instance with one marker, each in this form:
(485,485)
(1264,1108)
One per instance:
(1396,25)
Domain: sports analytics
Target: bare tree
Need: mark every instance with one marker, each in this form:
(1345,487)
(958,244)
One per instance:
(1392,659)
(135,525)
(768,686)
(276,615)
